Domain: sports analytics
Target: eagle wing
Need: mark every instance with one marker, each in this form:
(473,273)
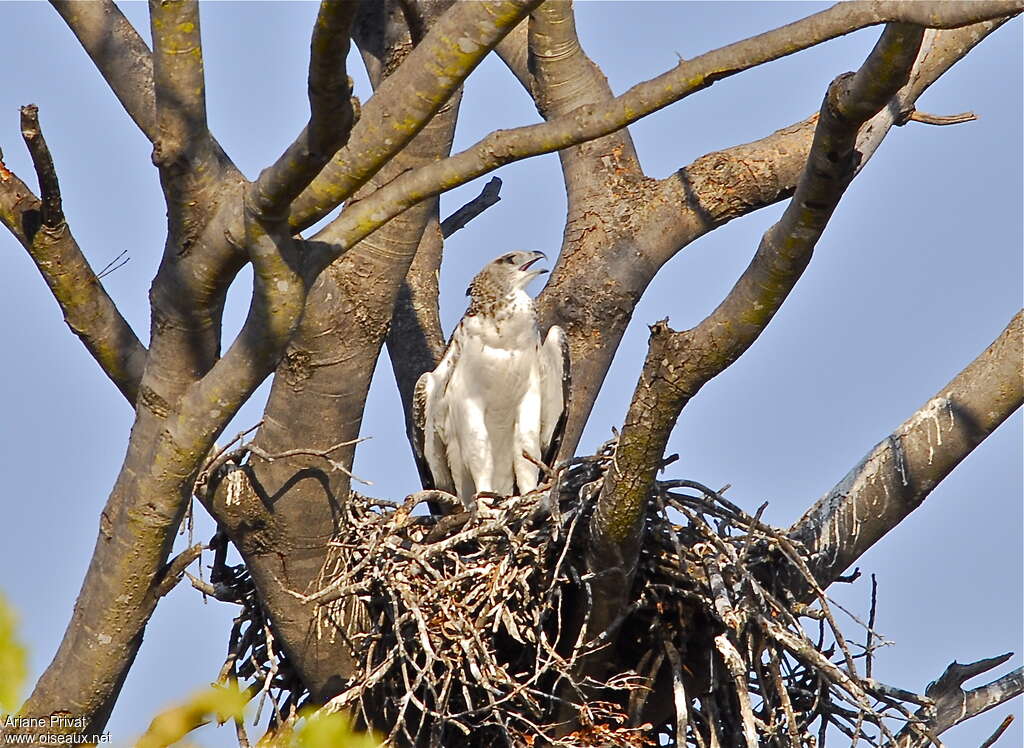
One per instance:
(429,416)
(554,377)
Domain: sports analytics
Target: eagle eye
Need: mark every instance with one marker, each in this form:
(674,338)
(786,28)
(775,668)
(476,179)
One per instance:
(508,259)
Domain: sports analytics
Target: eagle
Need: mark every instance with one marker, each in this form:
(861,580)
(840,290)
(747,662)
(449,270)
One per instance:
(495,406)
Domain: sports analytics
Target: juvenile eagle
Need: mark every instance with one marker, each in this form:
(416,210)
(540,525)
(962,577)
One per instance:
(498,391)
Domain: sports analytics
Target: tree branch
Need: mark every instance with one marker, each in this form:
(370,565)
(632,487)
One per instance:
(407,99)
(513,51)
(600,176)
(50,208)
(590,122)
(899,473)
(118,52)
(564,78)
(201,190)
(41,228)
(415,339)
(488,196)
(954,705)
(678,364)
(331,113)
(178,80)
(317,399)
(667,215)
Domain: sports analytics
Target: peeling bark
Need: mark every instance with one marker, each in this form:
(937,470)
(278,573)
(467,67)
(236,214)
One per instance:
(897,475)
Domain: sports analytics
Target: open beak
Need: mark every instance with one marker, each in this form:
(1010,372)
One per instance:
(526,266)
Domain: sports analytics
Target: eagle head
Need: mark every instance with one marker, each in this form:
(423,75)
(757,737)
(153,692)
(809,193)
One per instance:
(506,274)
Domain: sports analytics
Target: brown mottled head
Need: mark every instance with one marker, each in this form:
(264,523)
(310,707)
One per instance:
(503,276)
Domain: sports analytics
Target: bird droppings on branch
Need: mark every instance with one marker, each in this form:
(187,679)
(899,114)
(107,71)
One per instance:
(462,628)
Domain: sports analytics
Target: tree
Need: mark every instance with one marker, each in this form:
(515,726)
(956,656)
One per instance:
(621,228)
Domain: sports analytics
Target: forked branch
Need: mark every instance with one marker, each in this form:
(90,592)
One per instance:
(331,113)
(954,704)
(40,226)
(678,364)
(594,121)
(406,100)
(118,52)
(723,185)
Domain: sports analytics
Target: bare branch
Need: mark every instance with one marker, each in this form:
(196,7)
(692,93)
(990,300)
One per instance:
(594,121)
(488,196)
(456,44)
(118,52)
(679,363)
(667,215)
(954,705)
(331,113)
(900,472)
(723,185)
(175,569)
(178,79)
(1007,721)
(564,78)
(41,228)
(49,188)
(415,339)
(935,119)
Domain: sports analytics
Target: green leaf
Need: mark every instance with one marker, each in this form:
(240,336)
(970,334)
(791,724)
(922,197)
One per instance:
(219,702)
(323,730)
(13,661)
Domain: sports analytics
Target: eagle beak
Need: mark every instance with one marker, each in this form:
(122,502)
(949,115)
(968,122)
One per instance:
(526,266)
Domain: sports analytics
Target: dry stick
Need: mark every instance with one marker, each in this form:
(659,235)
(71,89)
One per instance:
(42,161)
(998,733)
(884,691)
(936,119)
(219,458)
(678,693)
(175,568)
(323,453)
(775,672)
(488,196)
(806,652)
(869,651)
(738,670)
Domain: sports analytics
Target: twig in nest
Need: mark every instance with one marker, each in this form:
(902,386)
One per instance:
(869,649)
(219,457)
(322,453)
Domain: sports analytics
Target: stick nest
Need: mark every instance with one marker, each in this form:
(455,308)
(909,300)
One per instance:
(467,628)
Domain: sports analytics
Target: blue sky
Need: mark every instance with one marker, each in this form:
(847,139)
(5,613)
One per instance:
(919,269)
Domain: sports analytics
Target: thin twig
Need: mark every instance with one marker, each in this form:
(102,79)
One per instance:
(1007,720)
(940,119)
